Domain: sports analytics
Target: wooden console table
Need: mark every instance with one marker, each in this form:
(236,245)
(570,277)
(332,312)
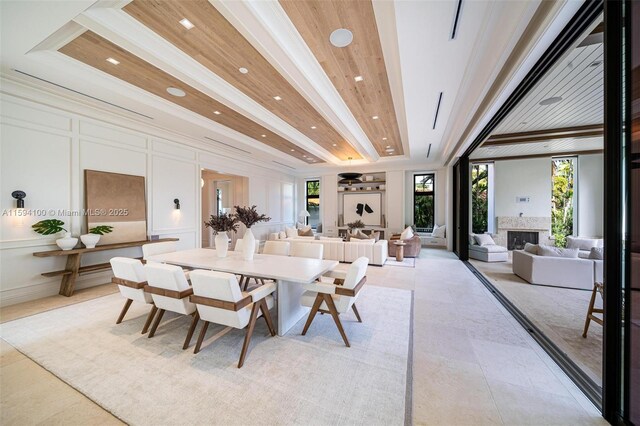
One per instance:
(73,268)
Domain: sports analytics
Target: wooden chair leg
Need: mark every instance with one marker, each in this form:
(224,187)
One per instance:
(312,314)
(587,321)
(336,317)
(247,337)
(125,308)
(267,316)
(246,283)
(156,323)
(201,337)
(152,313)
(187,340)
(355,311)
(261,281)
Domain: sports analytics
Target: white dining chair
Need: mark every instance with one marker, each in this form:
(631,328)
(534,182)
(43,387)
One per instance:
(170,291)
(278,248)
(309,250)
(239,243)
(335,294)
(153,249)
(219,300)
(130,277)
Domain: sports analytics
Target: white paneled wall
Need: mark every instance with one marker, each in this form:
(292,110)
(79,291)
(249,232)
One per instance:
(44,151)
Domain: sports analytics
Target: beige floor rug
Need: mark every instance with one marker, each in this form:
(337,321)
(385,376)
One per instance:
(294,379)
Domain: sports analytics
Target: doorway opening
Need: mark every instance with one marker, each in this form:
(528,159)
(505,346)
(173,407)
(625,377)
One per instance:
(220,192)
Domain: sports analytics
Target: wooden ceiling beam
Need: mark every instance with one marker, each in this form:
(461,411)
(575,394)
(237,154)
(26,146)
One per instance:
(537,136)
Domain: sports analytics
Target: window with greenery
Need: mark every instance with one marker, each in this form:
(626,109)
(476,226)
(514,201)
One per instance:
(424,202)
(479,198)
(313,202)
(562,199)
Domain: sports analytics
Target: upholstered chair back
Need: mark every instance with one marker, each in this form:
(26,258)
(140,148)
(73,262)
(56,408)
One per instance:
(131,270)
(169,277)
(309,250)
(158,248)
(239,245)
(279,248)
(220,286)
(357,270)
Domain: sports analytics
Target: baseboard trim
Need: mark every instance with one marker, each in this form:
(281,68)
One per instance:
(50,288)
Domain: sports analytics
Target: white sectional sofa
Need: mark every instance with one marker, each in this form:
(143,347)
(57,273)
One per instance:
(557,271)
(348,251)
(584,245)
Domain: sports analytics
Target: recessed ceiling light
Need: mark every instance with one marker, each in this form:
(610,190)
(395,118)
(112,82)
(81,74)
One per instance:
(551,101)
(243,70)
(277,98)
(384,139)
(292,150)
(264,136)
(388,146)
(304,156)
(217,112)
(113,61)
(313,127)
(341,37)
(375,117)
(186,23)
(335,144)
(174,91)
(358,78)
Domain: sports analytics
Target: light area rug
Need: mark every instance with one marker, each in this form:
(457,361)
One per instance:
(407,262)
(294,379)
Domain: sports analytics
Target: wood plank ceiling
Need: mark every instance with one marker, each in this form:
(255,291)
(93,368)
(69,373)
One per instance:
(371,97)
(94,50)
(217,45)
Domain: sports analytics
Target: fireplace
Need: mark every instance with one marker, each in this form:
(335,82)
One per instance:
(517,239)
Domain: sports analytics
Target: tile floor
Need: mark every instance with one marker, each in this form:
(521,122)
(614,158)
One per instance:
(473,364)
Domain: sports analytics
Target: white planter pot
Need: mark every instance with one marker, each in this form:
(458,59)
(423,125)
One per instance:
(248,245)
(222,244)
(68,242)
(90,240)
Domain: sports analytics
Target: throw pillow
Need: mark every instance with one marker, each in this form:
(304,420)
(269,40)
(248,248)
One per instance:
(300,225)
(375,236)
(472,239)
(597,253)
(484,239)
(359,235)
(557,251)
(291,232)
(531,248)
(282,235)
(439,231)
(406,234)
(308,232)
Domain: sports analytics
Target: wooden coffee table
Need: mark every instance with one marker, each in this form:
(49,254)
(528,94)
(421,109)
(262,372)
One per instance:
(399,250)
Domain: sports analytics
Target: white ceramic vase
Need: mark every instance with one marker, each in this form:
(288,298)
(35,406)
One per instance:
(248,245)
(222,244)
(67,242)
(90,240)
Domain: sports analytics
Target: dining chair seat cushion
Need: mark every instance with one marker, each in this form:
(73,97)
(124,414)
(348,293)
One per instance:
(131,270)
(169,277)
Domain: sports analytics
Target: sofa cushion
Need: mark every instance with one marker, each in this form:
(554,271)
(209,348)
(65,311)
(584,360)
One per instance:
(531,248)
(557,251)
(596,253)
(407,233)
(291,232)
(329,238)
(282,235)
(489,248)
(484,239)
(305,232)
(439,231)
(582,243)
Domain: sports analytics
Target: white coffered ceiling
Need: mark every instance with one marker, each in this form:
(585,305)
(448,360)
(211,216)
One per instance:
(420,58)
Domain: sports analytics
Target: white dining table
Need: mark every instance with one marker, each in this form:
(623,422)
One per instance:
(289,273)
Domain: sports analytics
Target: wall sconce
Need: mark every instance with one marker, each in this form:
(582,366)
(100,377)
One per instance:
(19,196)
(177,203)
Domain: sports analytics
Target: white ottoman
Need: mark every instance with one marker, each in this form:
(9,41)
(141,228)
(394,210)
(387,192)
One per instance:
(489,253)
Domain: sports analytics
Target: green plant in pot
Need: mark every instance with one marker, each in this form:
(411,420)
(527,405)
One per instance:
(221,226)
(91,239)
(54,226)
(249,216)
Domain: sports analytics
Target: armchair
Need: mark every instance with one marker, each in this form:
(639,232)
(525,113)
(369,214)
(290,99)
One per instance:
(218,299)
(412,249)
(130,277)
(336,293)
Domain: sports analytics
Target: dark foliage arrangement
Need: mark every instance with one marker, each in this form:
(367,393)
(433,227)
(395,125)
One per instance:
(249,216)
(358,224)
(223,223)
